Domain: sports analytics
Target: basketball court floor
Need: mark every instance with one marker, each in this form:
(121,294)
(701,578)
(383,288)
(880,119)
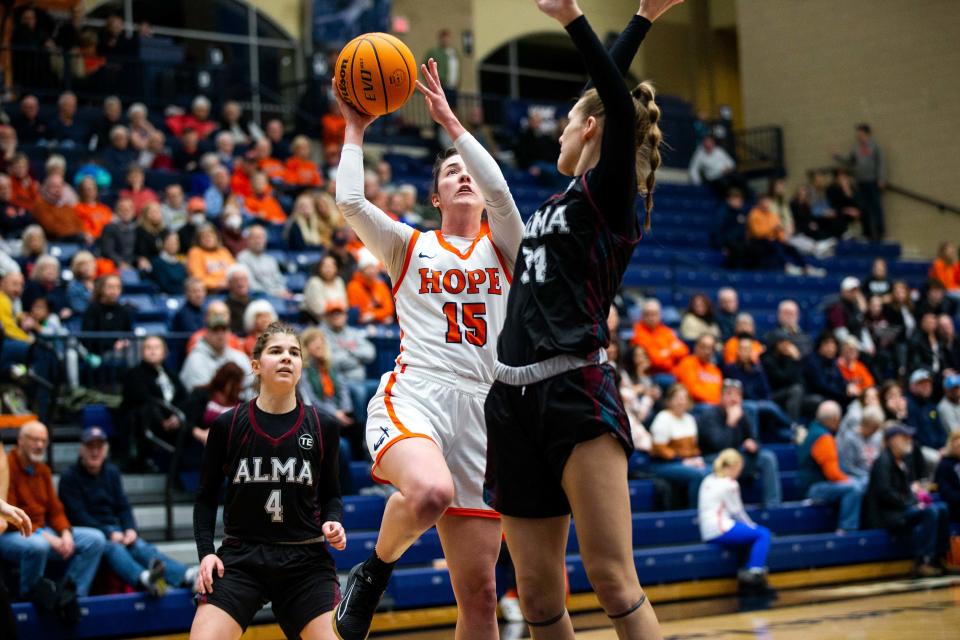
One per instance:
(895,610)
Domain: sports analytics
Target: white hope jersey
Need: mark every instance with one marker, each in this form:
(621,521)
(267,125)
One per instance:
(451,305)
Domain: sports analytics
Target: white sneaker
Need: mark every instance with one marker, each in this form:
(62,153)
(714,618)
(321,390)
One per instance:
(510,609)
(793,270)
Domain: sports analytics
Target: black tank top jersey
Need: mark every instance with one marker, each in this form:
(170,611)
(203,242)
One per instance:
(281,475)
(569,269)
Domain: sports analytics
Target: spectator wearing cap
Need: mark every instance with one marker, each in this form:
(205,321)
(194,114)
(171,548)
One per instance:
(788,324)
(851,368)
(783,366)
(895,501)
(324,287)
(726,426)
(948,409)
(217,311)
(265,276)
(847,317)
(820,475)
(821,375)
(150,391)
(54,536)
(196,218)
(947,476)
(208,259)
(662,345)
(368,293)
(675,452)
(213,351)
(724,521)
(698,374)
(859,446)
(93,496)
(350,350)
(923,419)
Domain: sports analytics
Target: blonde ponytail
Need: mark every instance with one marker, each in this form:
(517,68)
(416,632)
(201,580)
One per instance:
(649,138)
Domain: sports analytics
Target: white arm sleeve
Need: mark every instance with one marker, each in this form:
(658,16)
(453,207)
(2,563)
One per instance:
(383,236)
(506,226)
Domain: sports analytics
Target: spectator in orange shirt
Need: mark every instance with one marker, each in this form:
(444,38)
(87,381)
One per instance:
(301,170)
(662,345)
(702,379)
(851,368)
(946,267)
(93,214)
(208,260)
(267,163)
(261,204)
(368,293)
(743,326)
(26,190)
(766,242)
(333,125)
(243,172)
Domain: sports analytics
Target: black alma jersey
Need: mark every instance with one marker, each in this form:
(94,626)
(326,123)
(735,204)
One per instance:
(569,269)
(281,473)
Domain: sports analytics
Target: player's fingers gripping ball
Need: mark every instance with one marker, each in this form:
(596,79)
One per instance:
(376,73)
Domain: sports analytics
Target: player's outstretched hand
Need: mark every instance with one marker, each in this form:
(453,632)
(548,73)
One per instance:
(210,563)
(653,9)
(354,118)
(17,517)
(436,100)
(563,11)
(335,535)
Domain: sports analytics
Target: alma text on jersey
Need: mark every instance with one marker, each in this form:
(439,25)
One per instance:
(456,280)
(251,470)
(548,219)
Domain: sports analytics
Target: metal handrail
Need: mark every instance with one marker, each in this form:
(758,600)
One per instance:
(943,207)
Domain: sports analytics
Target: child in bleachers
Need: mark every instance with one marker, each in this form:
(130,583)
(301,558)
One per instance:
(724,521)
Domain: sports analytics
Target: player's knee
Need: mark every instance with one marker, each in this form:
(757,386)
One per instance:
(430,501)
(616,589)
(538,606)
(480,599)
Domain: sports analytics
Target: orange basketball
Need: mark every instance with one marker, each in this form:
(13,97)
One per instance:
(376,73)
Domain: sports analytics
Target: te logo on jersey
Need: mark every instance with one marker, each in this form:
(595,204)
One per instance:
(306,442)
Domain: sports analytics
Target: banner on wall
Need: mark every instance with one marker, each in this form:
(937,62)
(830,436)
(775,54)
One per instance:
(337,21)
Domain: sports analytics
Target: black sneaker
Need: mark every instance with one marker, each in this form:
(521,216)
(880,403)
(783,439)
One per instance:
(68,607)
(156,582)
(354,614)
(43,595)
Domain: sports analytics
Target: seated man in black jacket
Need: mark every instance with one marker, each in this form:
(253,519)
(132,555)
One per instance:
(894,501)
(783,364)
(725,426)
(821,375)
(948,476)
(92,495)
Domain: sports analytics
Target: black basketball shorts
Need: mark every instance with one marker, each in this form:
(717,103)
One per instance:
(532,430)
(300,580)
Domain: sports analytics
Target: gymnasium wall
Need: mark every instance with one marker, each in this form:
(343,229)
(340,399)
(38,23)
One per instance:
(426,18)
(817,67)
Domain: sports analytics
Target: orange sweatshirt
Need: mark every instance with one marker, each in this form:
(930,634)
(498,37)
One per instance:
(33,492)
(856,373)
(210,266)
(824,451)
(731,346)
(370,297)
(703,381)
(266,208)
(302,173)
(764,225)
(94,217)
(949,275)
(662,345)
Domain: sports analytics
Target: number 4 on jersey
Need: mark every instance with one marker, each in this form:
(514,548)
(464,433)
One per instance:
(274,507)
(474,324)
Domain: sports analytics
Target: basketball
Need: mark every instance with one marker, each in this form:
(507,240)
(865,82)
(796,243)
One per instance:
(376,73)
